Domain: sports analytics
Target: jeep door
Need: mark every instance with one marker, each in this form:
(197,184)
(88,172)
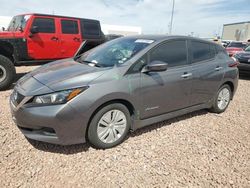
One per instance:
(44,44)
(207,71)
(70,37)
(163,92)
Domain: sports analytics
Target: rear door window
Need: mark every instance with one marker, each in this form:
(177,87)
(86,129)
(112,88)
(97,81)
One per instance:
(69,27)
(173,52)
(45,25)
(213,51)
(201,51)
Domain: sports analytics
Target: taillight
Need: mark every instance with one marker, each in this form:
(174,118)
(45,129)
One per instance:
(235,62)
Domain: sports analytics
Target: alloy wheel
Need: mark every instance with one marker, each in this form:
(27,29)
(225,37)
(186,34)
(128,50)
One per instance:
(223,98)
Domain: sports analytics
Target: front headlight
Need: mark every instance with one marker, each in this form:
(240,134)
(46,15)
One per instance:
(60,97)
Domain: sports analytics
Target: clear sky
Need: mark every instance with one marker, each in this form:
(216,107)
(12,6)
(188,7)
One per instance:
(203,17)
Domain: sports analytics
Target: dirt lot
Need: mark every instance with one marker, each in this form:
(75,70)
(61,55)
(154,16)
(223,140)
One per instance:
(196,150)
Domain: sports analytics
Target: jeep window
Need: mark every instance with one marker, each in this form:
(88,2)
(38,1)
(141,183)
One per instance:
(173,52)
(201,51)
(45,25)
(115,52)
(91,28)
(18,23)
(69,27)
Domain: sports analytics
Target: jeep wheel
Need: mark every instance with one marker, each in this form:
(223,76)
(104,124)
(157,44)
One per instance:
(7,72)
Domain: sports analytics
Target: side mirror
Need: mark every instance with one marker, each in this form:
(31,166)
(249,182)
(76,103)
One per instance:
(155,66)
(34,30)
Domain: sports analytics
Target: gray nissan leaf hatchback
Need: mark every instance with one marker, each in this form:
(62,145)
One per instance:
(122,85)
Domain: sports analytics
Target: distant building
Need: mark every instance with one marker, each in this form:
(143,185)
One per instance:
(236,31)
(121,30)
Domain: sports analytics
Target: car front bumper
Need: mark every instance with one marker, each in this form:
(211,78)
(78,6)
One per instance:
(57,124)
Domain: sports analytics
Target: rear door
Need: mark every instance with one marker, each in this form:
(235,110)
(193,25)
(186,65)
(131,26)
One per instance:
(163,92)
(70,37)
(44,45)
(207,71)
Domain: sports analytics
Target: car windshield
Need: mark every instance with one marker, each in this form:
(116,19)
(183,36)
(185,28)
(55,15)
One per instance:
(115,52)
(18,23)
(247,49)
(237,45)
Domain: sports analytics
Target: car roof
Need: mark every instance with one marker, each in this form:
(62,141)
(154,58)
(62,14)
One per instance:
(167,37)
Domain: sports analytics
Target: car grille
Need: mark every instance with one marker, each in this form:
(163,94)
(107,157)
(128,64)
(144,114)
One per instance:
(17,98)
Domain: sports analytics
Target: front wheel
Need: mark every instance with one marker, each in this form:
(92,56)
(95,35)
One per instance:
(7,72)
(222,99)
(109,126)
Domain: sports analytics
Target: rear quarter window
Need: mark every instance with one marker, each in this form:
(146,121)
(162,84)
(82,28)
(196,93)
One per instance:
(90,28)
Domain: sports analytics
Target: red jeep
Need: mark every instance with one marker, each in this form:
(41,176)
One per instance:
(34,39)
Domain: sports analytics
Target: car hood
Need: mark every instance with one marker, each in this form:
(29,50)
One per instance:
(10,34)
(60,75)
(244,54)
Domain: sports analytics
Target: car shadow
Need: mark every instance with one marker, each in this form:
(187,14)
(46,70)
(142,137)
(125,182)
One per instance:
(73,149)
(168,122)
(53,148)
(244,76)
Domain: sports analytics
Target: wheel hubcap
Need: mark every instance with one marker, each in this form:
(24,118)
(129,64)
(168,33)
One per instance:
(223,98)
(111,126)
(2,73)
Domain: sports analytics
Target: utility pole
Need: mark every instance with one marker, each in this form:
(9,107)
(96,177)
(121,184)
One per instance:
(172,17)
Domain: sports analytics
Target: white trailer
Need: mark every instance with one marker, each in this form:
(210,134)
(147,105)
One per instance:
(236,31)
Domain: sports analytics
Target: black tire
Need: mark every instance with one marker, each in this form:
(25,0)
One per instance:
(7,71)
(92,134)
(215,108)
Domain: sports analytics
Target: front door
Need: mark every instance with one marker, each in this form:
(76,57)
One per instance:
(44,45)
(167,91)
(70,37)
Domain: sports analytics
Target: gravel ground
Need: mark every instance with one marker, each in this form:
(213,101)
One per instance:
(196,150)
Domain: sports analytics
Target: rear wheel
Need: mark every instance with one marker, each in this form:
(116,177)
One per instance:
(222,99)
(7,72)
(109,126)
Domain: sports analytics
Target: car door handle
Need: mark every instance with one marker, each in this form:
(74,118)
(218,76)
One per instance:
(218,68)
(76,39)
(54,38)
(186,75)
